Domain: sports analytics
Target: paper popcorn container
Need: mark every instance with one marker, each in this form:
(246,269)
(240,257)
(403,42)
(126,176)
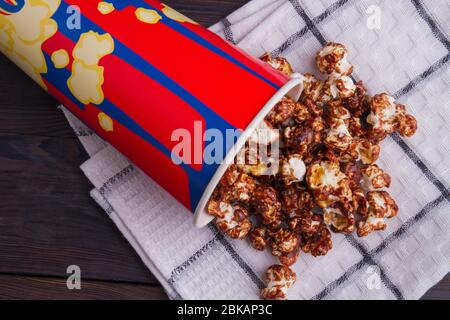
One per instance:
(145,78)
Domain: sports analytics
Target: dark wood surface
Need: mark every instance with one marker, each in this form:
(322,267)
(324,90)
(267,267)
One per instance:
(47,219)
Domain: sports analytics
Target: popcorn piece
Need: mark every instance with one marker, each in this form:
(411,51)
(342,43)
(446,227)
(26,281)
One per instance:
(306,223)
(279,63)
(257,160)
(312,88)
(314,109)
(305,200)
(272,219)
(328,184)
(265,201)
(60,58)
(338,136)
(384,113)
(105,122)
(147,16)
(23,33)
(381,207)
(375,178)
(261,169)
(259,238)
(293,169)
(316,124)
(357,103)
(300,139)
(407,126)
(319,243)
(242,189)
(341,87)
(279,279)
(359,201)
(282,111)
(92,47)
(349,155)
(105,7)
(356,128)
(338,220)
(332,59)
(264,134)
(86,83)
(293,218)
(337,111)
(353,173)
(217,208)
(231,219)
(290,258)
(236,186)
(368,152)
(369,225)
(284,241)
(229,177)
(301,112)
(387,117)
(295,201)
(322,152)
(325,96)
(289,199)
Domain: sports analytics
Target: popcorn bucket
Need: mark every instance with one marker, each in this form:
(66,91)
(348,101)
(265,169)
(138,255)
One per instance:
(147,80)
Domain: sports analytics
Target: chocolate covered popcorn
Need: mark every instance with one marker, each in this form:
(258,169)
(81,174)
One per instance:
(325,179)
(332,60)
(279,63)
(328,184)
(381,207)
(282,112)
(319,243)
(339,220)
(235,185)
(231,219)
(284,241)
(387,117)
(279,279)
(292,169)
(266,204)
(259,238)
(375,178)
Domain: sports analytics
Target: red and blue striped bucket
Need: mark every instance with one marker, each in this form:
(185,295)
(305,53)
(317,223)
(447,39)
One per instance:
(135,71)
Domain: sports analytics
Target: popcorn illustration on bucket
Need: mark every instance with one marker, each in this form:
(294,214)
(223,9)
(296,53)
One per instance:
(136,72)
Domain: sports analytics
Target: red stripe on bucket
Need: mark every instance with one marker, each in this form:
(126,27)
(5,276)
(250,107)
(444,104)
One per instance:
(162,170)
(232,106)
(148,103)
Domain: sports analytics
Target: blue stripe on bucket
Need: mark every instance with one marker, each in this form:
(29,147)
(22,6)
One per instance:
(175,25)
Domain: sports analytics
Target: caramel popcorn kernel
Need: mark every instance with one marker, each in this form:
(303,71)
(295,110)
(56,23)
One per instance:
(332,59)
(279,279)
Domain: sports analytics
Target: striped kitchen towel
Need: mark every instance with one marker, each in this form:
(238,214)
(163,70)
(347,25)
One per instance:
(401,47)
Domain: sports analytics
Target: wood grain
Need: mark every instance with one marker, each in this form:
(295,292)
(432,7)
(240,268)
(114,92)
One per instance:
(47,219)
(440,291)
(42,288)
(25,108)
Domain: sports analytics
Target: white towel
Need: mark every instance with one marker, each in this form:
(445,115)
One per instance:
(407,56)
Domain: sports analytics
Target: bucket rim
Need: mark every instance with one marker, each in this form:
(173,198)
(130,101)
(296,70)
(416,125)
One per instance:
(293,88)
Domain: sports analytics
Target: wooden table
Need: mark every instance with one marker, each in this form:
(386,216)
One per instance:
(47,219)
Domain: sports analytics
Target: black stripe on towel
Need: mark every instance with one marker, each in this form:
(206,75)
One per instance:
(229,36)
